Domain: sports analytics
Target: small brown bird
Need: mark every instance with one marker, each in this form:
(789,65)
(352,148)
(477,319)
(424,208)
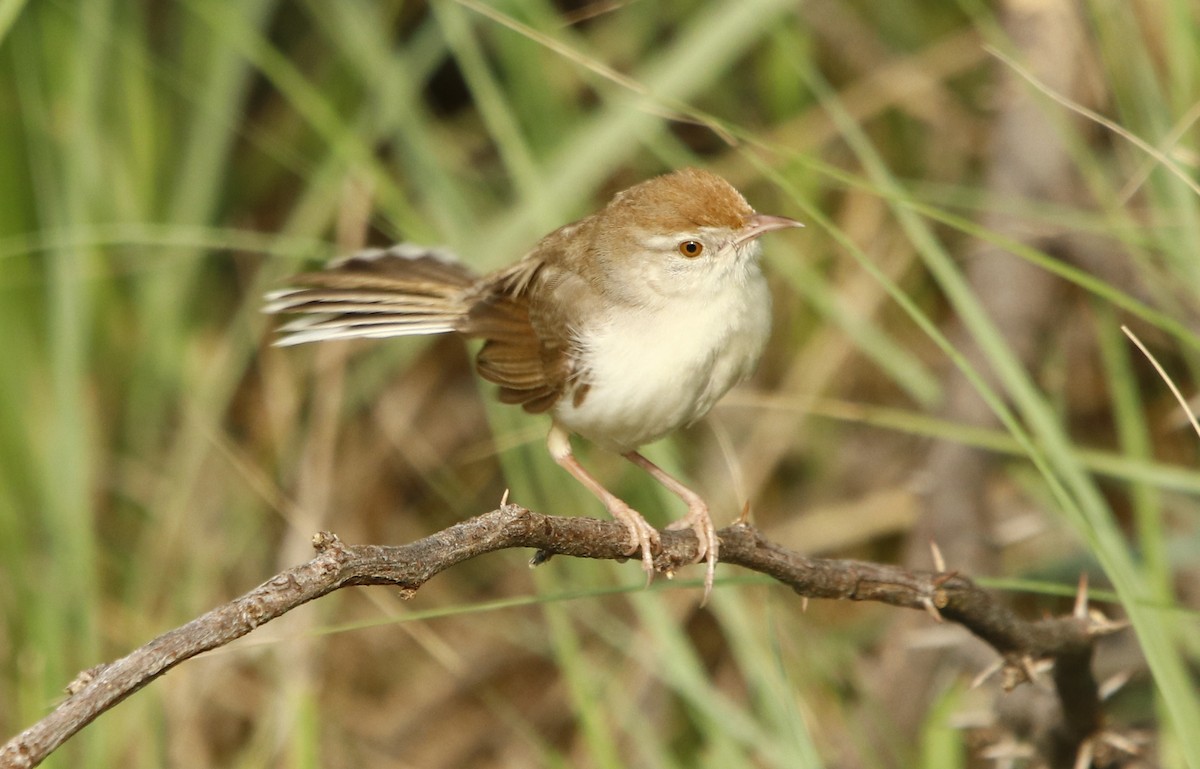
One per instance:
(624,325)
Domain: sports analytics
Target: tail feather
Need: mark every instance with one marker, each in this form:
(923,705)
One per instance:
(402,291)
(435,324)
(321,302)
(358,332)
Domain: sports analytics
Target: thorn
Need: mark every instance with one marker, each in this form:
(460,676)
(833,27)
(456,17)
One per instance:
(803,604)
(1087,751)
(1011,677)
(504,498)
(927,602)
(939,562)
(1007,751)
(1029,666)
(1081,597)
(1123,744)
(1024,670)
(986,673)
(941,579)
(1102,625)
(744,517)
(1034,668)
(1114,684)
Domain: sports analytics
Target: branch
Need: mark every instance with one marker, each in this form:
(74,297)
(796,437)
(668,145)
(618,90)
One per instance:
(1067,641)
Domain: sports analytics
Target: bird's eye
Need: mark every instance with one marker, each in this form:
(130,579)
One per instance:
(691,248)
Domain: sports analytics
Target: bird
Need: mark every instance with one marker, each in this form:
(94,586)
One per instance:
(623,326)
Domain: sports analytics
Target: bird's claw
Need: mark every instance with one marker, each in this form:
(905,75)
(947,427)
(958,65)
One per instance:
(642,537)
(700,522)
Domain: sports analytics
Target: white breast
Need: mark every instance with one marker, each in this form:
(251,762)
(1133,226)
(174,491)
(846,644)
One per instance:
(653,370)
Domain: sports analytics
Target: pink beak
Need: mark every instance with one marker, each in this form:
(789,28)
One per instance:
(760,224)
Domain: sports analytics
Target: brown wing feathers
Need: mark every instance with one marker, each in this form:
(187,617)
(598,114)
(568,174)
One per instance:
(513,356)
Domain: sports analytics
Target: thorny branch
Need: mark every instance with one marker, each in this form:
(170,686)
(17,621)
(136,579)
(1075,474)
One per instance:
(1067,641)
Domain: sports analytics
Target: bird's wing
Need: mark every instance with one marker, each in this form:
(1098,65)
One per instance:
(526,352)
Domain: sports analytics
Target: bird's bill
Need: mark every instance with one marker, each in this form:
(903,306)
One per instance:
(760,224)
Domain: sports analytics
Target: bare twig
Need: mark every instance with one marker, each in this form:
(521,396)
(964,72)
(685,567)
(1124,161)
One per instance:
(1067,641)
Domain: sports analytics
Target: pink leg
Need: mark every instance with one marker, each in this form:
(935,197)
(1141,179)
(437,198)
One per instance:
(642,535)
(697,516)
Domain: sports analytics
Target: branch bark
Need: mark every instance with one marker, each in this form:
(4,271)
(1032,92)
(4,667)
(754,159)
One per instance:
(1067,641)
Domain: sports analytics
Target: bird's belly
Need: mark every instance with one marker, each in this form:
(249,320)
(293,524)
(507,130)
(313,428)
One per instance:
(647,373)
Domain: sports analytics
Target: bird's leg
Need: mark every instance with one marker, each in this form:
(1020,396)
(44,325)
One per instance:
(642,535)
(697,516)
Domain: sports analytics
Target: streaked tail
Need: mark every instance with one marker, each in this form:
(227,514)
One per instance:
(401,291)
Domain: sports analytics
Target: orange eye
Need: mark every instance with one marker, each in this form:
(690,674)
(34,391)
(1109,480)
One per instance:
(691,248)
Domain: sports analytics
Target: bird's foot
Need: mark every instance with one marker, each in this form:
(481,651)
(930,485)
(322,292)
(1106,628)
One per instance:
(701,523)
(642,536)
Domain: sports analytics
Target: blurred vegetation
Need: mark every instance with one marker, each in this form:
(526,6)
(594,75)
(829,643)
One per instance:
(163,164)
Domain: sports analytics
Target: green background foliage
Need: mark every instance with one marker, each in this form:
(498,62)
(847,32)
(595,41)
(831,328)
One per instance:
(164,164)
